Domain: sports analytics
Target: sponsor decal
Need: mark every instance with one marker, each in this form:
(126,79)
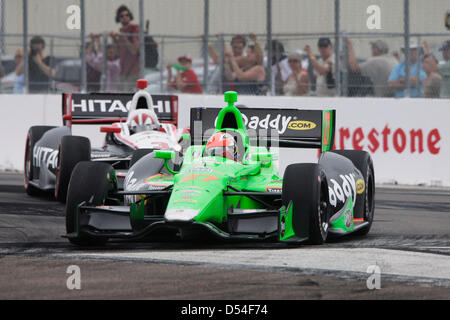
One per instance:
(348,216)
(45,157)
(341,191)
(274,189)
(277,122)
(98,155)
(198,169)
(181,214)
(360,186)
(387,139)
(113,106)
(301,125)
(191,177)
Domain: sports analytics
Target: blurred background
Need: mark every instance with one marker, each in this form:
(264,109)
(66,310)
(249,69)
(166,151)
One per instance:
(316,48)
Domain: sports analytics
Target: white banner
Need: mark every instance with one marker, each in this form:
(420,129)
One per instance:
(407,138)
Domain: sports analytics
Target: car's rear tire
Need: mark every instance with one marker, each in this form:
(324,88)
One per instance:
(366,208)
(72,149)
(305,185)
(34,134)
(90,182)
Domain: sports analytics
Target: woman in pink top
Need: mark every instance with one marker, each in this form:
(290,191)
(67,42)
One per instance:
(95,60)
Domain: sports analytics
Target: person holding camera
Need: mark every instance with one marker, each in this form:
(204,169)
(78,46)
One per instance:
(39,70)
(323,68)
(94,59)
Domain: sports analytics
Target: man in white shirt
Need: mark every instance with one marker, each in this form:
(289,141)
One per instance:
(378,67)
(323,68)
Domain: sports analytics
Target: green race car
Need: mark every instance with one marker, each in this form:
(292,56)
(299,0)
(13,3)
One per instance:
(226,184)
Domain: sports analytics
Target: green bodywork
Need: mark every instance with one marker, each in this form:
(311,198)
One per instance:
(200,182)
(209,191)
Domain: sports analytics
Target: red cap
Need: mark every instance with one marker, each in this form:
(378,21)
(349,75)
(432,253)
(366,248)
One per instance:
(142,84)
(187,57)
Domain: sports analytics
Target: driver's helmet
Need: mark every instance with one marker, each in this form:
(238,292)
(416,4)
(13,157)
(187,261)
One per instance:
(141,120)
(222,144)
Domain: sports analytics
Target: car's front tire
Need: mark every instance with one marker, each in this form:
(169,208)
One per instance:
(305,187)
(90,182)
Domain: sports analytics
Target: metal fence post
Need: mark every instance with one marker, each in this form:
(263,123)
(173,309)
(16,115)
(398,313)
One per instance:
(222,61)
(51,80)
(2,27)
(269,46)
(162,66)
(25,46)
(344,88)
(337,30)
(407,58)
(104,76)
(205,44)
(83,46)
(141,39)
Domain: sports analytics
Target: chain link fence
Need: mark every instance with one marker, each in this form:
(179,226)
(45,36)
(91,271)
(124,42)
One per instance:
(258,47)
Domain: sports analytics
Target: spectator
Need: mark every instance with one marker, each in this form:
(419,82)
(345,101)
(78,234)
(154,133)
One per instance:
(297,83)
(432,83)
(185,80)
(324,67)
(94,58)
(128,47)
(378,67)
(248,79)
(19,78)
(444,70)
(254,51)
(93,76)
(238,44)
(280,67)
(397,78)
(39,70)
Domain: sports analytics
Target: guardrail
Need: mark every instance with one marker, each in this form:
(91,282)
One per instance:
(408,139)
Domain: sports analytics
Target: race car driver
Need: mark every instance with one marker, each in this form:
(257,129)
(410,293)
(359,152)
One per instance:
(142,120)
(222,144)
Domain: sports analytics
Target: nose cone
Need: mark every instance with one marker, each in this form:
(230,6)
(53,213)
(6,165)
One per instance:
(196,196)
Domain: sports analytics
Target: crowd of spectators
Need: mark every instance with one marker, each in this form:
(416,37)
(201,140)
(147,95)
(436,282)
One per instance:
(245,67)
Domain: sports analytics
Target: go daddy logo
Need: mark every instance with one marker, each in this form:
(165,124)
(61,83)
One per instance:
(301,125)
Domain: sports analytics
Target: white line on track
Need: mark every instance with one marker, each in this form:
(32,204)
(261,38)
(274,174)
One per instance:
(393,263)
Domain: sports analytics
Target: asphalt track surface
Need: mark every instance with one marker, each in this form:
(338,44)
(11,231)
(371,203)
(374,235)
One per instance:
(409,244)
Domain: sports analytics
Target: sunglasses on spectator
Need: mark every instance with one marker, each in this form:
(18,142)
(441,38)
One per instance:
(125,15)
(293,60)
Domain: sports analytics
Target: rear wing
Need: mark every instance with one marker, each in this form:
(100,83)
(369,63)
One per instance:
(290,128)
(100,108)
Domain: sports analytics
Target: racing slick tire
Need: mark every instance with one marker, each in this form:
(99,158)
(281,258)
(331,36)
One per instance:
(91,181)
(305,185)
(366,208)
(72,149)
(35,133)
